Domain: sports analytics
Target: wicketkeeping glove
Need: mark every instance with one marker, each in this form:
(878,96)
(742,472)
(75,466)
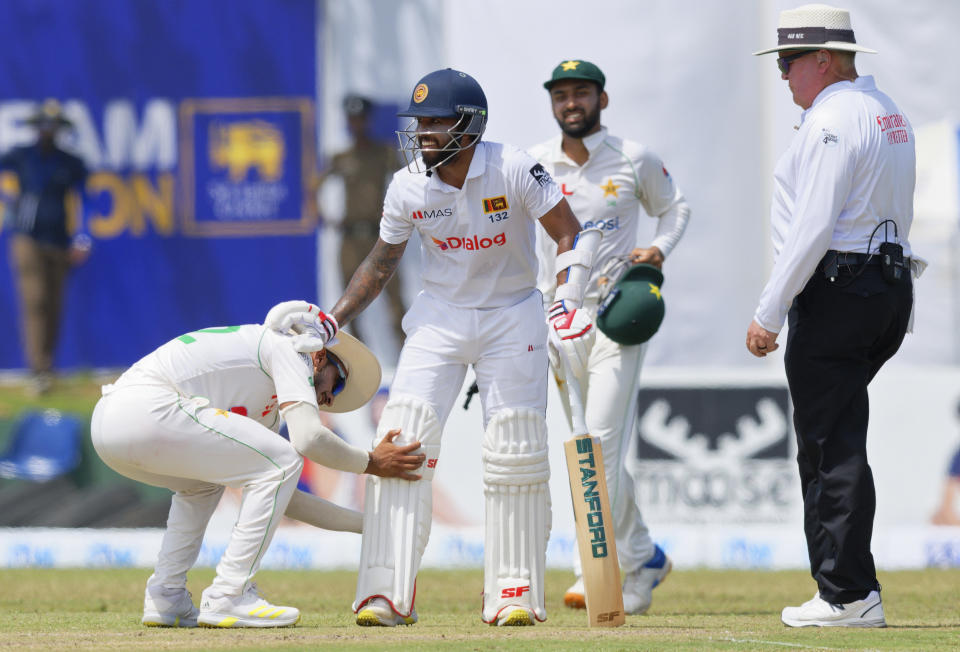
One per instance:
(314,329)
(572,332)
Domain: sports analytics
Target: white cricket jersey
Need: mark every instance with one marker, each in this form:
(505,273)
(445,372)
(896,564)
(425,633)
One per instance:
(478,242)
(620,181)
(247,369)
(850,166)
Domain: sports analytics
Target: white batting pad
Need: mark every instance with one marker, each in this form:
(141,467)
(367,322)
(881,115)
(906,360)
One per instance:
(515,483)
(397,513)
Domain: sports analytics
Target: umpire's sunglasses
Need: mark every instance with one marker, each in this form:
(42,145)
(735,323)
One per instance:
(783,63)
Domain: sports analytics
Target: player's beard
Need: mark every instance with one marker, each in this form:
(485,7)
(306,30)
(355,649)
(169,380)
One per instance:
(591,118)
(434,157)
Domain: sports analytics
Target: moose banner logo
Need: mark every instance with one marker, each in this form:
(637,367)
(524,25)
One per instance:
(715,455)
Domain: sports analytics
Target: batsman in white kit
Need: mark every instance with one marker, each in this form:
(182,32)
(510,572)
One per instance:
(476,205)
(611,185)
(202,413)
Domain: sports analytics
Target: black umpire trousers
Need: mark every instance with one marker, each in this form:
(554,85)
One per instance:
(841,333)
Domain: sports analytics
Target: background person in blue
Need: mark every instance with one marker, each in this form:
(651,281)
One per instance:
(41,248)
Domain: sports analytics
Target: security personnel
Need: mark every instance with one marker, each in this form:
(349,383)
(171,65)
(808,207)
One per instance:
(841,215)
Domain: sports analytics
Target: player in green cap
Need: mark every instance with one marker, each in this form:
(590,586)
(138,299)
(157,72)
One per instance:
(611,184)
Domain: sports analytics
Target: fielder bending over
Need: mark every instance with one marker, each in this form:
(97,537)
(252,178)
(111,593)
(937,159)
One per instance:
(607,181)
(476,209)
(202,413)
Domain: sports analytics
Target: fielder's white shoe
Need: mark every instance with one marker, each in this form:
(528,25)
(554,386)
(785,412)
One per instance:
(249,609)
(515,617)
(378,613)
(575,596)
(168,608)
(817,612)
(639,584)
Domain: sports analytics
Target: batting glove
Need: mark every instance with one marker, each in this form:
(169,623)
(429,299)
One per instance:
(314,329)
(573,334)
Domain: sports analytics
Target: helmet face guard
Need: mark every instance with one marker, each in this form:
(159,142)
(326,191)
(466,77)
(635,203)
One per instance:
(472,122)
(443,93)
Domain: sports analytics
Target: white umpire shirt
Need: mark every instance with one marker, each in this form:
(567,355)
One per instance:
(850,166)
(478,242)
(619,179)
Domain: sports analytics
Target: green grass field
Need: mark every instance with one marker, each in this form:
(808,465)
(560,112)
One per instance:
(692,610)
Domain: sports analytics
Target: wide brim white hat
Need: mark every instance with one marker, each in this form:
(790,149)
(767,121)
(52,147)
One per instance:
(815,27)
(363,373)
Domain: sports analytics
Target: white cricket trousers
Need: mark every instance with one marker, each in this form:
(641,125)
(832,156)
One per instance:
(506,346)
(153,435)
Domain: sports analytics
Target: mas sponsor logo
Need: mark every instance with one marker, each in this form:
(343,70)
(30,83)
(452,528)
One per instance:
(470,243)
(495,204)
(429,214)
(541,176)
(715,455)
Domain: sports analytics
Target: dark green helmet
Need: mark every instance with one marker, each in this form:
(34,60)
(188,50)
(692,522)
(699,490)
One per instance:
(633,309)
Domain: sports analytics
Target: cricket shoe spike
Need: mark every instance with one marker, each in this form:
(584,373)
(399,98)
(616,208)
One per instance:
(168,608)
(249,609)
(378,613)
(574,597)
(515,617)
(639,584)
(817,612)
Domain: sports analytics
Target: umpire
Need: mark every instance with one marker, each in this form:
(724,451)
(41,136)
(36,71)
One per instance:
(841,214)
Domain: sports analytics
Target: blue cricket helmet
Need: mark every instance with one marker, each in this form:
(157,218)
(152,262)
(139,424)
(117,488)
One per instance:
(445,93)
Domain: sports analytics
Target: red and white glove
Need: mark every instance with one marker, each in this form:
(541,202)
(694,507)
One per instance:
(314,329)
(572,332)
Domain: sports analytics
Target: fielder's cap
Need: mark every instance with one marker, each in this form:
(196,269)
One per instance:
(49,115)
(815,27)
(633,311)
(356,105)
(576,69)
(363,373)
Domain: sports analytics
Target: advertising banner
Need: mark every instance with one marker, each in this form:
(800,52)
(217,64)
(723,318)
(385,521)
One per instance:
(196,123)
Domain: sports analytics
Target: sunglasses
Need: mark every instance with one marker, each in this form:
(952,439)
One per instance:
(783,63)
(341,380)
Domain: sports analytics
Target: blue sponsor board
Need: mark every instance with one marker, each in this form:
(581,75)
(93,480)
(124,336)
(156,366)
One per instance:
(244,168)
(196,122)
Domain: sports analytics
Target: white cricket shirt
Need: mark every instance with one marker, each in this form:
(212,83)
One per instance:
(478,242)
(245,369)
(620,181)
(850,166)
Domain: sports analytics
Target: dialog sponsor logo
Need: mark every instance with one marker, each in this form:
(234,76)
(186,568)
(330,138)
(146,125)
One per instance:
(470,243)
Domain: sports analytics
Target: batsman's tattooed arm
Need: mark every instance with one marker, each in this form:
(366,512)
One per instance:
(367,282)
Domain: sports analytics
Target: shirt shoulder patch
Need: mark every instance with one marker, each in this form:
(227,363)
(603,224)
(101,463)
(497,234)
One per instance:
(540,175)
(828,137)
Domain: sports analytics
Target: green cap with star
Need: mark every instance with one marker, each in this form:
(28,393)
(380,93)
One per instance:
(633,310)
(576,69)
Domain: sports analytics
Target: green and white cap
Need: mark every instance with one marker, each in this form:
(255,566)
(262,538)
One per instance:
(576,69)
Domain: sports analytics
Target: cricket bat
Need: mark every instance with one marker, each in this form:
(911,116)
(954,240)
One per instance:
(594,520)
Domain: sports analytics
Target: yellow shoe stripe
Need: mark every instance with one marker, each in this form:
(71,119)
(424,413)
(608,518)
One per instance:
(254,612)
(227,622)
(518,617)
(277,613)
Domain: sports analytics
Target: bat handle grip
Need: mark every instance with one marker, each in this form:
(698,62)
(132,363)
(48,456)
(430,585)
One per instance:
(575,398)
